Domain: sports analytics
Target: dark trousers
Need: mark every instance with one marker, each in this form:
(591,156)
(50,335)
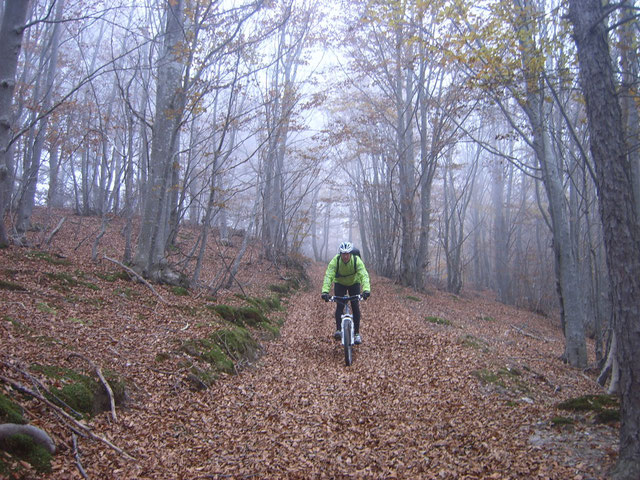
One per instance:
(341,291)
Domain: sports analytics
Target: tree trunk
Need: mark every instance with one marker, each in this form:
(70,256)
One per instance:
(536,108)
(150,254)
(30,175)
(11,32)
(618,213)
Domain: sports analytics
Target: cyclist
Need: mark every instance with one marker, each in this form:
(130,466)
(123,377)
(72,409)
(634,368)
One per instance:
(348,274)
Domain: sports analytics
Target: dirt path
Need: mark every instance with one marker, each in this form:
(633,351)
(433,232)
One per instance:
(409,407)
(443,386)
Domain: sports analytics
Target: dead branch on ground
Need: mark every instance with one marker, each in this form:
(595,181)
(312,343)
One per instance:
(138,276)
(84,428)
(106,385)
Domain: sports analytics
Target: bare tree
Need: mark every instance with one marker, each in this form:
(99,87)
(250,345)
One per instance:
(11,32)
(618,212)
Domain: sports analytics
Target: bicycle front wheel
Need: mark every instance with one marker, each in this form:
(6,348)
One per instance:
(347,332)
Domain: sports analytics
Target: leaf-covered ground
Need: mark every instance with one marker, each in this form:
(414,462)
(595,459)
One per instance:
(442,387)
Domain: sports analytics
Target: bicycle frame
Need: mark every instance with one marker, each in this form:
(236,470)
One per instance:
(348,334)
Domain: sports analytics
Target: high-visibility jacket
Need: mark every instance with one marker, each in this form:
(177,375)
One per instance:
(346,274)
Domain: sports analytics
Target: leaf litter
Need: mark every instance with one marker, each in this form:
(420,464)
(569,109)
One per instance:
(472,397)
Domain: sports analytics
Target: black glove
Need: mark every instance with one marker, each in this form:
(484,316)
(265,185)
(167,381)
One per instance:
(365,295)
(325,297)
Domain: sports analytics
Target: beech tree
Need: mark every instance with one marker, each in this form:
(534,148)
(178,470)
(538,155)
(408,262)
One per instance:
(618,212)
(11,33)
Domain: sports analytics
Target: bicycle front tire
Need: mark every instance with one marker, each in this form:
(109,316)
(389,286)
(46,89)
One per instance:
(347,331)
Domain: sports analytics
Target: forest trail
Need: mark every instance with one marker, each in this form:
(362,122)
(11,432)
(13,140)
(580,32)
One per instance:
(409,406)
(443,386)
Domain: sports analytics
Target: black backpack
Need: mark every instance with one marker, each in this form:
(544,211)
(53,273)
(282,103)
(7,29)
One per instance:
(356,253)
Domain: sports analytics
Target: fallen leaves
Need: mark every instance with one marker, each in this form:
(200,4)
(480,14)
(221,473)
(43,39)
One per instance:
(409,407)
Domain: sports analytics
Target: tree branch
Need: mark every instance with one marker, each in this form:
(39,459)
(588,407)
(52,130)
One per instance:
(138,276)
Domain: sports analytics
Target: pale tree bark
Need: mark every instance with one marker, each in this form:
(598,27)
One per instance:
(629,92)
(619,215)
(500,235)
(281,100)
(537,110)
(404,93)
(11,33)
(150,254)
(458,193)
(26,200)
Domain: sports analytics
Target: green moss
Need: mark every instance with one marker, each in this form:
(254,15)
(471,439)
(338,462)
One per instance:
(15,287)
(44,307)
(114,276)
(79,396)
(180,291)
(413,299)
(81,392)
(162,357)
(561,421)
(201,379)
(608,416)
(225,311)
(23,447)
(272,330)
(10,412)
(237,342)
(218,359)
(487,376)
(18,325)
(486,318)
(509,378)
(265,305)
(605,407)
(53,259)
(127,293)
(594,403)
(241,316)
(438,320)
(474,342)
(279,288)
(66,281)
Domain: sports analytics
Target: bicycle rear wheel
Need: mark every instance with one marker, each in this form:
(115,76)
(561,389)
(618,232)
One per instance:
(347,332)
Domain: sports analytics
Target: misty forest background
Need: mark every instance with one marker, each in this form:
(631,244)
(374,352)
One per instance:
(451,141)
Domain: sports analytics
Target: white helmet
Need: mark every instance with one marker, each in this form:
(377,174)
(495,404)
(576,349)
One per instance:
(346,247)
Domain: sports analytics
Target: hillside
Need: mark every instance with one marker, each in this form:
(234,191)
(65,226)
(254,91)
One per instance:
(442,387)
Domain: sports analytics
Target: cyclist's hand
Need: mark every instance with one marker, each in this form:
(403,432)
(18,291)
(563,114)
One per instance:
(325,297)
(366,295)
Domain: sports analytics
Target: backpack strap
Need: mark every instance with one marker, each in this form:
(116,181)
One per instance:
(355,266)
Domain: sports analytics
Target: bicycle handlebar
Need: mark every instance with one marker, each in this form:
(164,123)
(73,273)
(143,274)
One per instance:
(346,298)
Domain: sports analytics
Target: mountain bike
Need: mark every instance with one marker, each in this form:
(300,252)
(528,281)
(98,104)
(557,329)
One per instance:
(348,335)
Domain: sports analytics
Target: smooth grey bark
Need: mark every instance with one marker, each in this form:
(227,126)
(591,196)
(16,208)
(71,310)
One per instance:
(428,164)
(500,234)
(457,196)
(11,33)
(628,93)
(404,92)
(150,253)
(618,213)
(26,200)
(537,110)
(278,115)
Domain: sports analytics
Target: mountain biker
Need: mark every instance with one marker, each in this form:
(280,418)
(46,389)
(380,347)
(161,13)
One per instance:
(348,274)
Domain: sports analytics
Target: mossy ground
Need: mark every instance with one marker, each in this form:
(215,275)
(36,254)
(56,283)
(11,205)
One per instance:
(601,408)
(438,321)
(24,448)
(10,412)
(80,392)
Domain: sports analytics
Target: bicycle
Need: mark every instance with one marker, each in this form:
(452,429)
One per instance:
(348,335)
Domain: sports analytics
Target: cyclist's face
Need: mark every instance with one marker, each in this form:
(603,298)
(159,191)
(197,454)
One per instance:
(345,257)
